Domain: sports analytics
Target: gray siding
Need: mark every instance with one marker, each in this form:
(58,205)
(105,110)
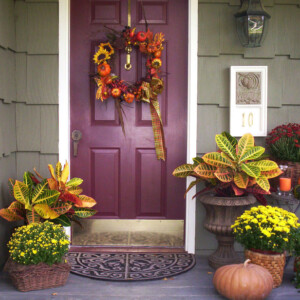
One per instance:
(8,145)
(219,48)
(37,84)
(28,94)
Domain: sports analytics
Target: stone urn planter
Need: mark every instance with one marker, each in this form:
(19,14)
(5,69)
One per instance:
(221,212)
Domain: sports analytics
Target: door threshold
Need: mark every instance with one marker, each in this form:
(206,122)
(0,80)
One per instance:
(134,233)
(103,249)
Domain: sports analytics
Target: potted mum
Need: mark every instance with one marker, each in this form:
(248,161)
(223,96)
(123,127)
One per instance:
(238,175)
(265,232)
(283,142)
(37,256)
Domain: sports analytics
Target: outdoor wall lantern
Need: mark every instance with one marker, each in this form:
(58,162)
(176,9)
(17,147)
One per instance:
(252,21)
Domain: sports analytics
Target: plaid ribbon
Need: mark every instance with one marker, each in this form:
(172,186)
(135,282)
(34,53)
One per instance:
(158,129)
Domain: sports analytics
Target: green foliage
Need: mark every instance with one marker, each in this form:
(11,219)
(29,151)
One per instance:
(297,275)
(297,191)
(54,198)
(295,251)
(73,205)
(295,241)
(38,242)
(238,166)
(83,212)
(265,228)
(34,201)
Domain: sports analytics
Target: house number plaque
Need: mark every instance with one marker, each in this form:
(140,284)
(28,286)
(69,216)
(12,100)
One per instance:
(248,100)
(250,119)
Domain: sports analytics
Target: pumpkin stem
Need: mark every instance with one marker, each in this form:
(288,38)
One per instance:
(247,262)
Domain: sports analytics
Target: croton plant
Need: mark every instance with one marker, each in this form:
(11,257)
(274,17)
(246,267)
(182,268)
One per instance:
(53,198)
(236,169)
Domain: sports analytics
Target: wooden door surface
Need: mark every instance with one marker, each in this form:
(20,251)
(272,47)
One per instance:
(123,173)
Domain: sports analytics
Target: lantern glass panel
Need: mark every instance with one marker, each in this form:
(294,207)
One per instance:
(251,30)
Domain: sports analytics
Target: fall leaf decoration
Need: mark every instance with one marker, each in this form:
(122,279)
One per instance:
(146,89)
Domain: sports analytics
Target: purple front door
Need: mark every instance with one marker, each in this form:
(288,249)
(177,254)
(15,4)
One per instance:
(122,173)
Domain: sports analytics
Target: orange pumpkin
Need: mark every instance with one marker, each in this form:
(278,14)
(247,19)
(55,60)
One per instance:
(116,92)
(129,97)
(104,69)
(243,281)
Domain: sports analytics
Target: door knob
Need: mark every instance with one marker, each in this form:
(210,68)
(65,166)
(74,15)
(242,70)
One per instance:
(76,137)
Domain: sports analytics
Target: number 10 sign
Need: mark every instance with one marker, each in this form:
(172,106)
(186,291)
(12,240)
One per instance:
(248,100)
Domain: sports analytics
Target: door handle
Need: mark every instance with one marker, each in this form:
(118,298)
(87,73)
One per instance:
(76,137)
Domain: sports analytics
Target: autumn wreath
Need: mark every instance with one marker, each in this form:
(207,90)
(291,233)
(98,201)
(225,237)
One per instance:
(145,89)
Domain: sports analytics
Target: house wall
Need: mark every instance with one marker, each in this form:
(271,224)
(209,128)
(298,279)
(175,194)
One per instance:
(29,83)
(219,48)
(8,144)
(28,94)
(37,84)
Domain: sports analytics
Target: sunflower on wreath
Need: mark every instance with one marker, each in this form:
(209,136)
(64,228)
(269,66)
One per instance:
(145,89)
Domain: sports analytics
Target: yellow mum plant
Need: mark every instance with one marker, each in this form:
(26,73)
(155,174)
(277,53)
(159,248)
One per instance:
(265,228)
(38,242)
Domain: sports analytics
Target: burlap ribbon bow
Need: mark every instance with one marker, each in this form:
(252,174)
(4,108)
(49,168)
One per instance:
(148,93)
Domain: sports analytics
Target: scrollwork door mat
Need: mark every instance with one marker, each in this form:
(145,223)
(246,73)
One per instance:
(130,266)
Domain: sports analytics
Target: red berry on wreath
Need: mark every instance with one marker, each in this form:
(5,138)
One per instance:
(141,36)
(116,92)
(131,33)
(151,48)
(143,47)
(108,80)
(104,69)
(129,97)
(105,93)
(157,54)
(156,63)
(152,71)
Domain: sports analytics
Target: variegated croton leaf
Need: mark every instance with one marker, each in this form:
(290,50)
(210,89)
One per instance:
(83,212)
(238,166)
(69,191)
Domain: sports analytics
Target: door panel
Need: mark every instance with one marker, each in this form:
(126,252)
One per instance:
(122,173)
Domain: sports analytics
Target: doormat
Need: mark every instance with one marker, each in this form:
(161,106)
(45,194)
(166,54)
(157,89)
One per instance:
(130,266)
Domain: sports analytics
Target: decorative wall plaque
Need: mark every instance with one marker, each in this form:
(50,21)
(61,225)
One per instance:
(248,100)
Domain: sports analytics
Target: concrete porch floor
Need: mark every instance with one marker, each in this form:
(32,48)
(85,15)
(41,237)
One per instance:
(195,284)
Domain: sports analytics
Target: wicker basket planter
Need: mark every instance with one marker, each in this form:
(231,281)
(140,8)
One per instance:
(37,277)
(274,263)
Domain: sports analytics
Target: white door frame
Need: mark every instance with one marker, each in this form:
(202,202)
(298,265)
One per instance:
(64,102)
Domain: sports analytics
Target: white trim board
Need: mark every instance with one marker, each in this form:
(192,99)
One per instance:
(64,84)
(64,102)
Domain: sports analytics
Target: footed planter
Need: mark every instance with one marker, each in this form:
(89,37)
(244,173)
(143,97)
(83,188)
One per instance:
(36,277)
(221,212)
